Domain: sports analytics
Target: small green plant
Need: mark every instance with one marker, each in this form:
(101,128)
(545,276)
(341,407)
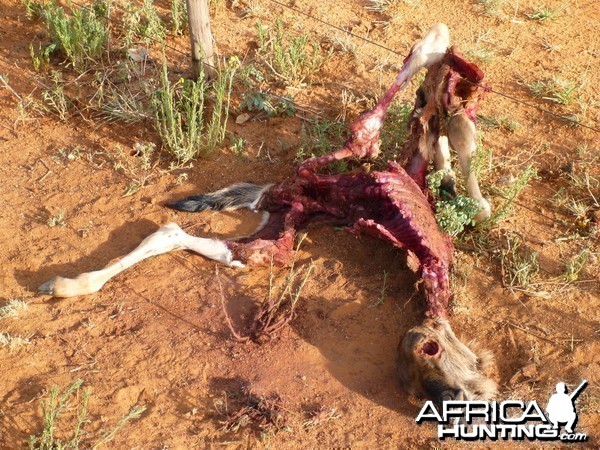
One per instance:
(251,9)
(56,405)
(556,90)
(119,103)
(133,414)
(179,19)
(543,13)
(181,111)
(510,194)
(580,198)
(395,130)
(152,27)
(345,43)
(238,146)
(272,106)
(520,266)
(142,23)
(12,308)
(81,36)
(453,214)
(54,98)
(575,265)
(72,404)
(138,170)
(181,178)
(57,220)
(481,54)
(320,137)
(493,8)
(70,153)
(33,9)
(41,58)
(251,75)
(292,61)
(482,163)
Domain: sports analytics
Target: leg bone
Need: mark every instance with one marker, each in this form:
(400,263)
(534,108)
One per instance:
(441,161)
(461,133)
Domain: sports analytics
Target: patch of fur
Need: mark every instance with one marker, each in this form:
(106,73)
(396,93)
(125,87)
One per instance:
(240,195)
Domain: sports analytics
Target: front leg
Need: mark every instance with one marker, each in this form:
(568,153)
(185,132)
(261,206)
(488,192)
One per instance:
(166,239)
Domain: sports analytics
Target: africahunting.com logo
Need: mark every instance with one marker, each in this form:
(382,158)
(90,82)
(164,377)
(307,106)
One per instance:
(507,420)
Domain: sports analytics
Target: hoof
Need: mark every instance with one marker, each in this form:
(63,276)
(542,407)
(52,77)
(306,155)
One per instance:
(71,287)
(48,287)
(484,213)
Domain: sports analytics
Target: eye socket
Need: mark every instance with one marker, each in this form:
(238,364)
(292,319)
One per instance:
(430,348)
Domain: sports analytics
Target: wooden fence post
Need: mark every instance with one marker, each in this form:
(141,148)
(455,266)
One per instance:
(201,38)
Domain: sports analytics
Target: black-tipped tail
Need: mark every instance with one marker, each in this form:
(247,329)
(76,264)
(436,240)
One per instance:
(241,195)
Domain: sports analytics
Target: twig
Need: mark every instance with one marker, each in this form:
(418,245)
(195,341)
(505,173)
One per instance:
(525,330)
(10,88)
(43,177)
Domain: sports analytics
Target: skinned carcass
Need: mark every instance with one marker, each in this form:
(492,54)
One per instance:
(392,205)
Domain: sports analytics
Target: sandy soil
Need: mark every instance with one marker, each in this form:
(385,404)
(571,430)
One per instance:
(156,335)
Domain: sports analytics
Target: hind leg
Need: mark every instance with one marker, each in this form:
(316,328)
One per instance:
(166,239)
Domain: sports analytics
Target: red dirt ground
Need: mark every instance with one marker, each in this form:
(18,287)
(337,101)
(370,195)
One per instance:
(156,335)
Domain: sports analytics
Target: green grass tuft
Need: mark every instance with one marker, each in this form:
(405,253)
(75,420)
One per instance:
(556,90)
(543,14)
(320,137)
(81,35)
(70,408)
(292,61)
(188,128)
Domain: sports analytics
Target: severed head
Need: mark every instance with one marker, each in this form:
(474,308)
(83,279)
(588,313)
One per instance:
(433,363)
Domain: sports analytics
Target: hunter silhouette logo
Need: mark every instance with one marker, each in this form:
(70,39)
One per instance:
(510,419)
(561,406)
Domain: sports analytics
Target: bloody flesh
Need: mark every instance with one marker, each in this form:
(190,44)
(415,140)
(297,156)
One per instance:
(389,205)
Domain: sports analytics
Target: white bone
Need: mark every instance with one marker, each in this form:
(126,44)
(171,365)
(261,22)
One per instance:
(461,133)
(428,51)
(168,238)
(441,159)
